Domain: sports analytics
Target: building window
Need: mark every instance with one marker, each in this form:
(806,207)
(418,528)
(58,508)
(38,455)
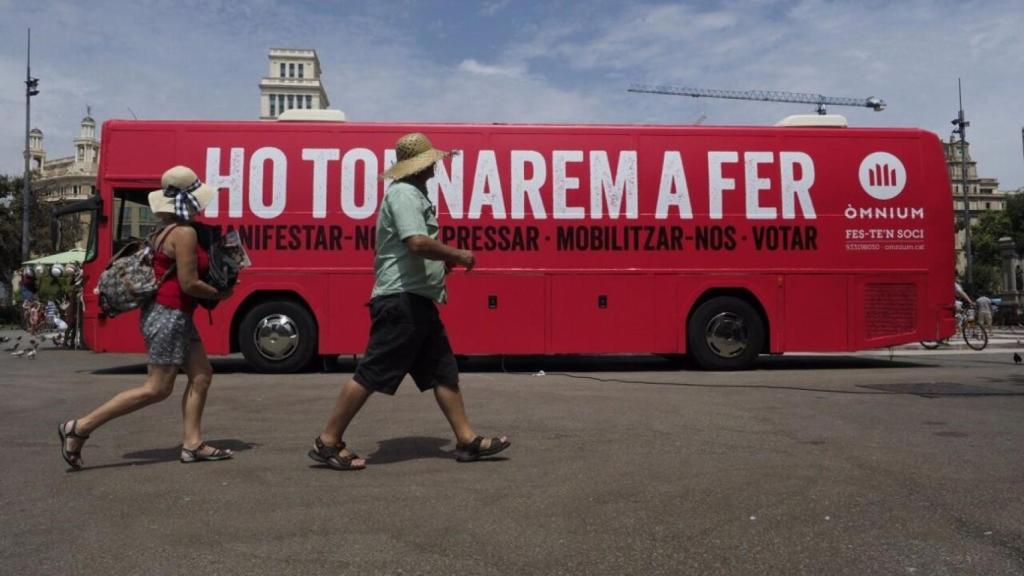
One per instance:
(298,101)
(309,101)
(988,205)
(282,69)
(273,106)
(291,101)
(280,103)
(301,71)
(291,70)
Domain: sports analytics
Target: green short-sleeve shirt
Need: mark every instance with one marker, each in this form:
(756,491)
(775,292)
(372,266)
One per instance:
(405,212)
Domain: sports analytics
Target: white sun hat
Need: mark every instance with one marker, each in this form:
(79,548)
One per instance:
(183,193)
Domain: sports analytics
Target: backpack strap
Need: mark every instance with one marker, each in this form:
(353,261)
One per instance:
(159,247)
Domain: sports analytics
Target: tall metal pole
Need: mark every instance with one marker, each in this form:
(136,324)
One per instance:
(963,124)
(25,194)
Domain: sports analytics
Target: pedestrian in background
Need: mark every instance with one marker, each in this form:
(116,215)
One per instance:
(172,341)
(984,304)
(28,286)
(406,333)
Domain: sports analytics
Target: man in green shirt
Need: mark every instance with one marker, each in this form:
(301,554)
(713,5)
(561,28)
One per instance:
(406,333)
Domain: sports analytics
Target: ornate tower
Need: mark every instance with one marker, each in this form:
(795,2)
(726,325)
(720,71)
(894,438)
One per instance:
(87,147)
(293,82)
(36,154)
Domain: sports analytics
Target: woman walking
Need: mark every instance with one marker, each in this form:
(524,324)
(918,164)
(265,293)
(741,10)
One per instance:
(166,322)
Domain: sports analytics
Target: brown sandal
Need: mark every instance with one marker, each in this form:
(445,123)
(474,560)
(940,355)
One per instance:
(331,456)
(472,451)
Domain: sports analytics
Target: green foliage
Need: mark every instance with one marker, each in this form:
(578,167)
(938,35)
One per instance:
(985,235)
(39,231)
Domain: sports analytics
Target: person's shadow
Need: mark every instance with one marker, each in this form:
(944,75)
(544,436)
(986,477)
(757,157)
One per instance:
(161,455)
(408,448)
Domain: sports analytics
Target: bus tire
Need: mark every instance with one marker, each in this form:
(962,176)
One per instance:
(725,333)
(278,336)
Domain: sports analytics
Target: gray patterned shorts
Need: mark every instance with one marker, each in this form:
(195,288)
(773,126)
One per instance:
(168,333)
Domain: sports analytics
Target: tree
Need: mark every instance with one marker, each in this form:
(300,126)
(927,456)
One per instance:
(985,235)
(39,232)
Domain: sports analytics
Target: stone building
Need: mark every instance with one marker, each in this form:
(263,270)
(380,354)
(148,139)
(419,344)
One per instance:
(66,179)
(293,82)
(983,193)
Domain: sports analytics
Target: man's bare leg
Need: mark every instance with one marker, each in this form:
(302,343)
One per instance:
(449,398)
(351,399)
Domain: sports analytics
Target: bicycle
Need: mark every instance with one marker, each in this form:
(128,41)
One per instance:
(974,334)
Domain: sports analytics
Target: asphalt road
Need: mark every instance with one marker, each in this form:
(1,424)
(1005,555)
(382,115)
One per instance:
(806,465)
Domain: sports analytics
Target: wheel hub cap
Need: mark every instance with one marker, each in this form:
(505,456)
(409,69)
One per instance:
(276,337)
(726,335)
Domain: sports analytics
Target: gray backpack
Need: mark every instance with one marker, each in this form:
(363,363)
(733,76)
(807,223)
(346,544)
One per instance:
(129,280)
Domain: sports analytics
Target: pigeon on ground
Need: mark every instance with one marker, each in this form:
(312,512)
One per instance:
(13,347)
(18,353)
(1016,358)
(4,339)
(31,354)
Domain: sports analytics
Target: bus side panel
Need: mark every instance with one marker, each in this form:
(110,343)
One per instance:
(210,325)
(118,334)
(885,309)
(599,313)
(494,313)
(814,320)
(345,320)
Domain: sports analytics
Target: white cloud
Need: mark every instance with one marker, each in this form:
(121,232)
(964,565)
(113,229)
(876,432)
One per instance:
(473,67)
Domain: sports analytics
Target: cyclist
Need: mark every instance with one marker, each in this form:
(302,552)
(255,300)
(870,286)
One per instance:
(961,296)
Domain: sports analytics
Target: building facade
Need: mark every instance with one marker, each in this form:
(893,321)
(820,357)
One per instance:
(983,193)
(292,82)
(66,179)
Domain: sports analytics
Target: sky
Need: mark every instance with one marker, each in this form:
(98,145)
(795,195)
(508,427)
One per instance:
(522,61)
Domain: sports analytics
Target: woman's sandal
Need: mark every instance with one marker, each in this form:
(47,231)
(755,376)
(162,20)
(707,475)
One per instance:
(197,455)
(72,457)
(472,451)
(331,456)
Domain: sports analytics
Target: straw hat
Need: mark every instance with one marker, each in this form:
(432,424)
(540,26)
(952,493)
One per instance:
(177,181)
(415,154)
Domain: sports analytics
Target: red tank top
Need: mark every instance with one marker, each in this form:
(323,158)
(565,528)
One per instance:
(170,293)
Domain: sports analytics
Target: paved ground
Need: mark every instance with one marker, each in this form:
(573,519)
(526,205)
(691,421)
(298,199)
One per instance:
(858,465)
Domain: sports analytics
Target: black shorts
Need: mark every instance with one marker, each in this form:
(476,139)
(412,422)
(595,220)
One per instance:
(406,337)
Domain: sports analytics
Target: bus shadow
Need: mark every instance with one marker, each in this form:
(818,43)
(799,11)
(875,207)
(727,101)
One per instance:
(812,362)
(572,363)
(650,363)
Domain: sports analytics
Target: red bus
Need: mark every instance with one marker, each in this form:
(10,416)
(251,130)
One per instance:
(722,243)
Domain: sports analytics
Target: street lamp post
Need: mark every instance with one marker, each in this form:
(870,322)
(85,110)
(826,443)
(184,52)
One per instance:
(31,89)
(961,129)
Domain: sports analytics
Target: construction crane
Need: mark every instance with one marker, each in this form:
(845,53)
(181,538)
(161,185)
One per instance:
(876,104)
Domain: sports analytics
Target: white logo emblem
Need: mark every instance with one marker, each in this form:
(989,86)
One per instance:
(882,175)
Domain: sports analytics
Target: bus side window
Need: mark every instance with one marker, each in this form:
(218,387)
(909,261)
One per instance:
(132,217)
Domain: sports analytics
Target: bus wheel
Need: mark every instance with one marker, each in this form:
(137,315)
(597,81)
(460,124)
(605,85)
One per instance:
(725,333)
(278,336)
